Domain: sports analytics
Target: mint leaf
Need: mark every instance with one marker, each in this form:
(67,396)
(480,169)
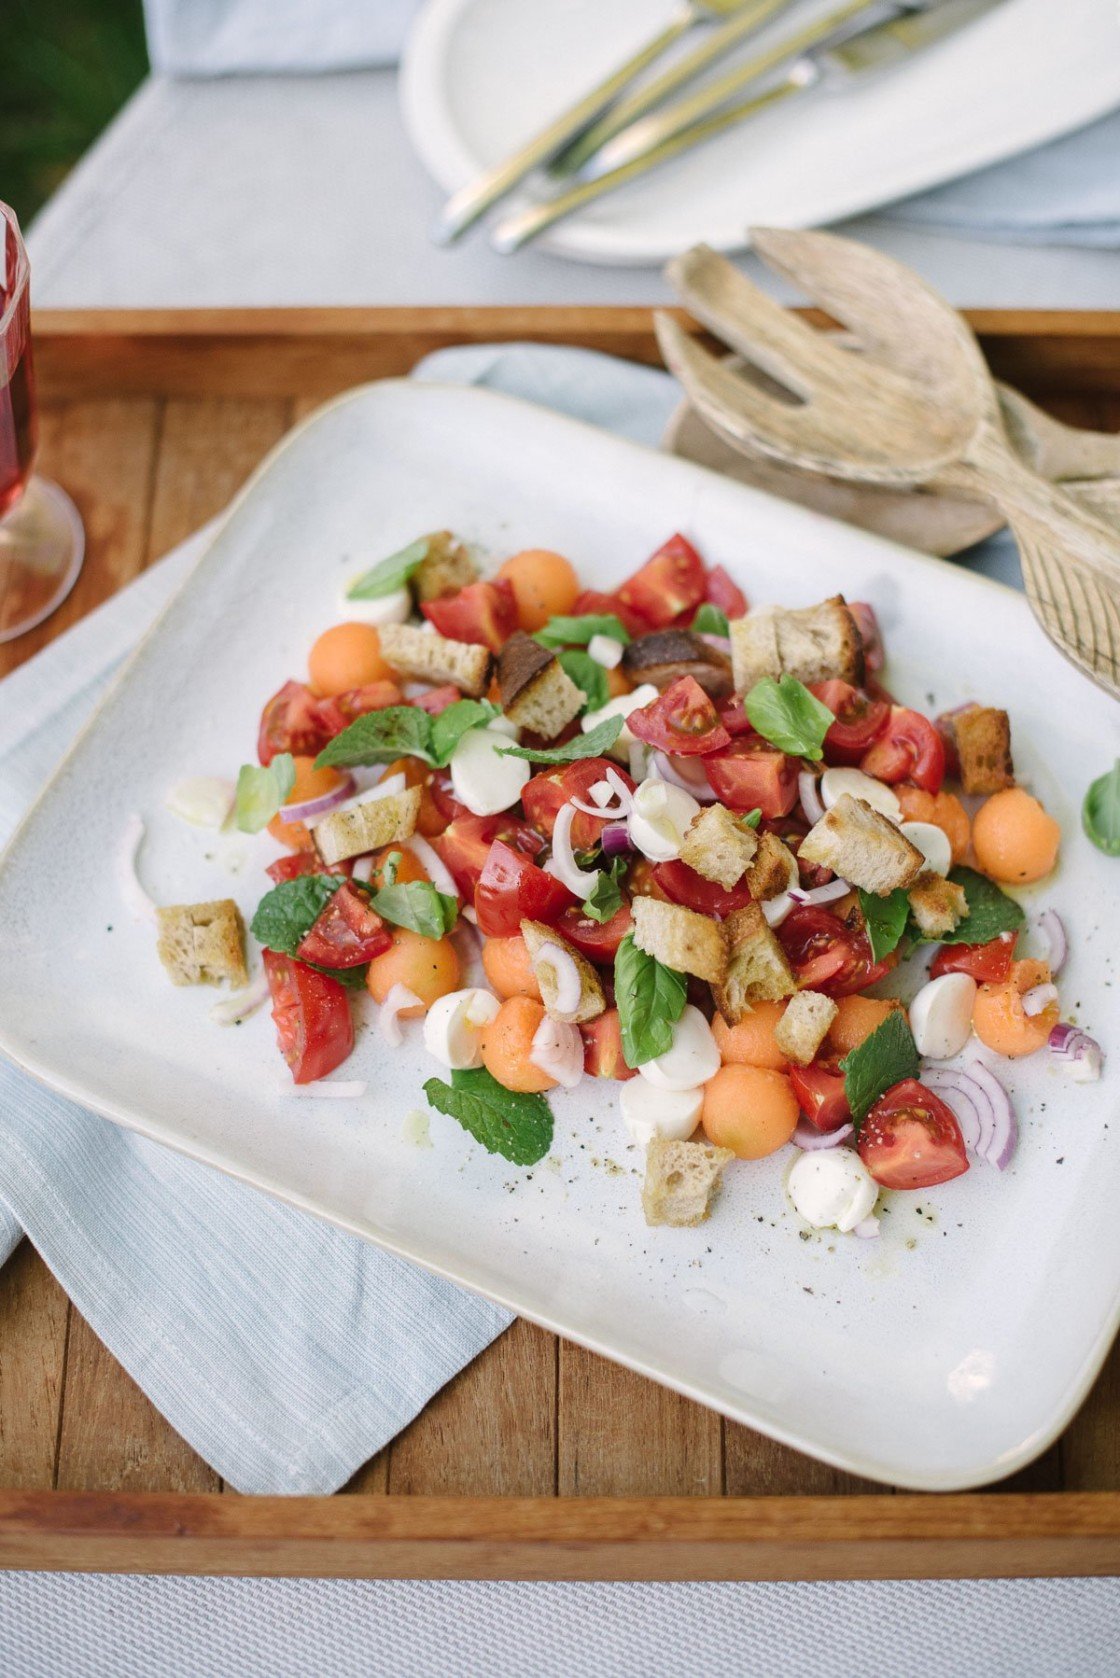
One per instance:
(286,914)
(709,620)
(605,898)
(419,906)
(390,574)
(1100,813)
(594,743)
(588,675)
(882,1060)
(458,719)
(260,792)
(650,998)
(787,714)
(885,918)
(990,912)
(379,737)
(577,632)
(519,1127)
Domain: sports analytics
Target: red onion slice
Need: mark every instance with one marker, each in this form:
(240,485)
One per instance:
(809,1138)
(692,780)
(310,809)
(982,1108)
(616,840)
(721,643)
(810,797)
(1051,926)
(1077,1053)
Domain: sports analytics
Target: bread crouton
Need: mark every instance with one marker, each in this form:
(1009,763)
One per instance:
(680,938)
(773,870)
(535,690)
(446,567)
(545,945)
(367,826)
(757,968)
(863,846)
(982,736)
(938,905)
(202,943)
(812,643)
(719,847)
(681,1180)
(804,1025)
(428,657)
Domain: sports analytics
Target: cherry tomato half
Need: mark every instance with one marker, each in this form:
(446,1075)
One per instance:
(749,775)
(290,867)
(511,889)
(312,1015)
(986,963)
(725,593)
(597,940)
(602,1048)
(482,613)
(682,720)
(543,796)
(909,749)
(464,845)
(682,884)
(347,932)
(291,722)
(911,1139)
(821,1095)
(827,954)
(859,720)
(672,581)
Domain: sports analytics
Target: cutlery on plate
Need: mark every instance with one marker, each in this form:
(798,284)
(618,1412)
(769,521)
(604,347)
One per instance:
(831,52)
(918,403)
(465,207)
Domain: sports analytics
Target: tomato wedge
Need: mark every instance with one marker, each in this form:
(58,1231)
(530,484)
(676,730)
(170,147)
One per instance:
(735,719)
(347,932)
(312,1015)
(438,699)
(821,1095)
(291,722)
(597,940)
(543,796)
(911,1139)
(602,1048)
(593,603)
(859,720)
(827,954)
(725,593)
(681,720)
(465,845)
(672,581)
(909,749)
(482,613)
(986,963)
(682,884)
(511,889)
(748,775)
(342,709)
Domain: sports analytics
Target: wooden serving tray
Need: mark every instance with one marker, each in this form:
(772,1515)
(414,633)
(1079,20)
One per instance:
(540,1460)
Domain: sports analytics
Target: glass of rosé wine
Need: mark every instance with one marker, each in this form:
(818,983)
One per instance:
(41,538)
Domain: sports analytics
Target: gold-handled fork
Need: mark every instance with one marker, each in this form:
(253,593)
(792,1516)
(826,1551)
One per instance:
(918,403)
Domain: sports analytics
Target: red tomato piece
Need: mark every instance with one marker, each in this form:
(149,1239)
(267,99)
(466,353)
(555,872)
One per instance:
(859,720)
(602,1048)
(312,1015)
(597,940)
(290,867)
(448,806)
(725,593)
(682,884)
(682,720)
(821,1095)
(593,603)
(358,702)
(347,932)
(986,963)
(868,625)
(291,722)
(511,889)
(911,1139)
(827,954)
(909,749)
(735,719)
(749,775)
(543,796)
(672,581)
(438,699)
(482,613)
(465,845)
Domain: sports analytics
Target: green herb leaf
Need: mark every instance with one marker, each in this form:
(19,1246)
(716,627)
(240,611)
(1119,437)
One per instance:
(286,914)
(882,1060)
(390,574)
(519,1127)
(260,792)
(390,868)
(886,919)
(350,978)
(1100,813)
(710,620)
(458,719)
(379,737)
(787,714)
(594,743)
(752,818)
(650,998)
(589,676)
(605,898)
(577,632)
(419,906)
(990,912)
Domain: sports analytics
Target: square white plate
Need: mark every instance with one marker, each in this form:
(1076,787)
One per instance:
(945,1354)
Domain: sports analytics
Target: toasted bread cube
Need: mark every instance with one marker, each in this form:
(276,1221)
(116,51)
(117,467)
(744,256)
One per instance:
(774,869)
(719,847)
(982,736)
(446,567)
(546,947)
(938,905)
(427,657)
(681,1180)
(202,943)
(863,846)
(812,643)
(757,967)
(680,938)
(536,691)
(804,1025)
(367,826)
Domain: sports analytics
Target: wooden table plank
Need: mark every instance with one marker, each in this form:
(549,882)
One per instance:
(623,1436)
(33,1323)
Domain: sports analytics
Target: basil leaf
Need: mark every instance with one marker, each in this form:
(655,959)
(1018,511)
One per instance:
(990,912)
(787,714)
(260,792)
(573,632)
(390,574)
(519,1127)
(709,620)
(1100,813)
(885,918)
(286,914)
(588,675)
(458,719)
(605,898)
(882,1060)
(419,906)
(379,737)
(594,743)
(649,997)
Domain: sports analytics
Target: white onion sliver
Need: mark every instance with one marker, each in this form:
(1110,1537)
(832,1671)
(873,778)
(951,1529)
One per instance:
(809,1138)
(398,998)
(775,909)
(565,972)
(343,1089)
(470,914)
(619,788)
(600,794)
(384,788)
(362,870)
(1051,925)
(314,809)
(137,901)
(557,1051)
(433,865)
(562,863)
(233,1009)
(607,812)
(202,800)
(1038,999)
(821,894)
(810,797)
(696,784)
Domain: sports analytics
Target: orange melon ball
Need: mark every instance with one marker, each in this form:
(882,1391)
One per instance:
(943,810)
(309,783)
(507,1043)
(544,585)
(749,1109)
(1015,840)
(428,966)
(751,1042)
(347,656)
(999,1020)
(857,1017)
(506,963)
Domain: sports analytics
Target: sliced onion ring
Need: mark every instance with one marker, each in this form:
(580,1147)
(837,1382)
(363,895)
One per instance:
(1077,1053)
(565,974)
(1050,924)
(820,894)
(810,797)
(397,999)
(433,865)
(233,1009)
(696,783)
(562,863)
(310,809)
(808,1137)
(557,1051)
(982,1108)
(1038,999)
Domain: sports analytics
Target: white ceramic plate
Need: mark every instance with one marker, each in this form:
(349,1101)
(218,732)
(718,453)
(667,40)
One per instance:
(481,76)
(945,1354)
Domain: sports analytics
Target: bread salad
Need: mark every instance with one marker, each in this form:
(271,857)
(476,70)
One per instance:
(656,837)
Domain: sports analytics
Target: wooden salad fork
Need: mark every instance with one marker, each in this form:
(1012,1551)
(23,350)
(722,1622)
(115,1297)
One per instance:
(919,403)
